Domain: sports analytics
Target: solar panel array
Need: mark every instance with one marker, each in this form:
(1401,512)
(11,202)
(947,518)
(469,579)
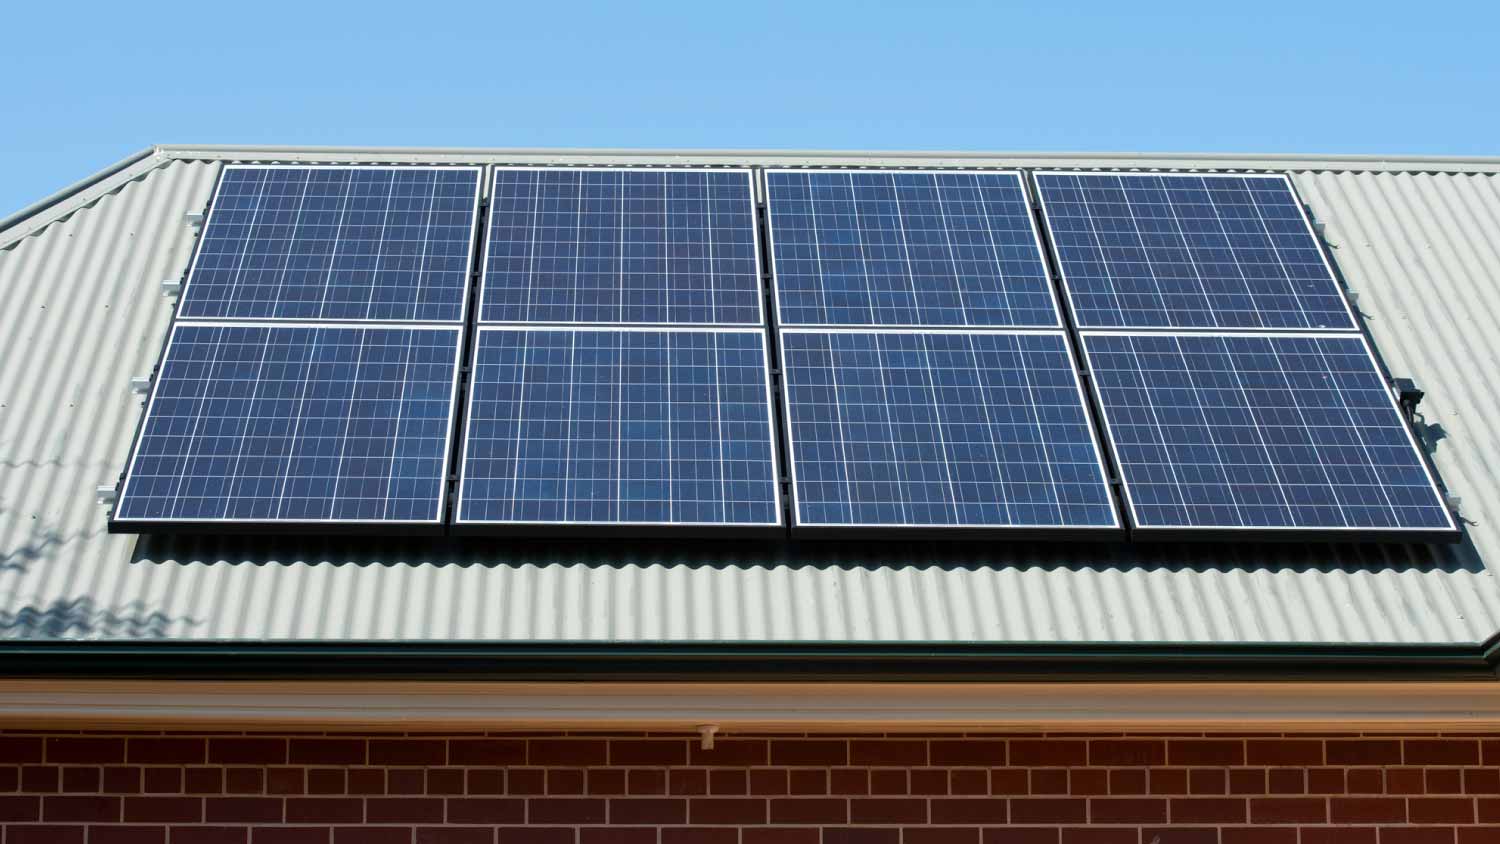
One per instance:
(591,403)
(619,375)
(931,428)
(311,373)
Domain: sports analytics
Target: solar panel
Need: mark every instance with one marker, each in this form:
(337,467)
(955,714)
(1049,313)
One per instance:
(940,429)
(1209,251)
(906,248)
(622,427)
(336,243)
(622,245)
(1260,432)
(264,423)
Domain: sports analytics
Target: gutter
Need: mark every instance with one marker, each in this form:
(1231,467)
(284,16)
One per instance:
(578,662)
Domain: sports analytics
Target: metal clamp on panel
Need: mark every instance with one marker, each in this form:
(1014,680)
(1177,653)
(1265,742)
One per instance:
(193,218)
(140,384)
(171,287)
(105,493)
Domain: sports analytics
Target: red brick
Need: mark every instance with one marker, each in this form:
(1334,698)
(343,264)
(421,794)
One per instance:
(1338,835)
(1287,781)
(194,780)
(1169,781)
(209,835)
(976,782)
(1127,781)
(1208,810)
(892,753)
(895,810)
(603,781)
(977,810)
(1049,809)
(285,781)
(1127,752)
(162,781)
(727,810)
(1367,810)
(1479,835)
(128,835)
(770,781)
(729,781)
(1049,781)
(88,750)
(1488,809)
(1284,751)
(371,835)
(325,810)
(74,780)
(45,835)
(81,808)
(1364,781)
(491,782)
(1248,781)
(526,782)
(1097,835)
(366,781)
(648,810)
(1205,752)
(858,835)
(886,782)
(1405,781)
(687,781)
(1489,749)
(817,810)
(1127,810)
(290,835)
(1021,835)
(1181,835)
(782,835)
(1444,781)
(1441,752)
(731,752)
(927,781)
(1325,781)
(700,835)
(579,752)
(444,781)
(939,835)
(1048,752)
(1364,752)
(163,809)
(454,835)
(1417,835)
(1288,810)
(408,752)
(246,780)
(486,752)
(486,810)
(648,752)
(328,751)
(242,809)
(617,835)
(247,751)
(404,810)
(537,835)
(167,751)
(840,781)
(1440,810)
(10,777)
(1482,781)
(967,752)
(17,750)
(565,781)
(569,810)
(1257,835)
(1208,781)
(809,752)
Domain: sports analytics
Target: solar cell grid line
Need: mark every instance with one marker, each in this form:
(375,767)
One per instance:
(622,245)
(1211,251)
(334,243)
(1262,433)
(619,430)
(906,248)
(283,424)
(941,430)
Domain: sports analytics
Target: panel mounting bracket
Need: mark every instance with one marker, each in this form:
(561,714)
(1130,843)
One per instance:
(171,287)
(1408,395)
(140,384)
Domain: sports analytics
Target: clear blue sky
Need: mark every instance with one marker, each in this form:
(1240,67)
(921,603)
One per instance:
(87,86)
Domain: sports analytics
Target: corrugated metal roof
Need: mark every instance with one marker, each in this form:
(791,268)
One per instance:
(1419,241)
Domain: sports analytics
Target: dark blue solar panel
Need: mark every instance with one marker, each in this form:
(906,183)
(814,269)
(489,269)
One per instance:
(296,423)
(906,248)
(616,245)
(941,429)
(1188,251)
(336,243)
(620,427)
(1259,431)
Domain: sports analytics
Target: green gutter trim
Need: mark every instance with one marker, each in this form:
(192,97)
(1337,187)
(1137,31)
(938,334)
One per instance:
(603,661)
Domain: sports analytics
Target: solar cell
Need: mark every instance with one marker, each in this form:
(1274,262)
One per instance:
(940,429)
(622,245)
(263,423)
(1209,251)
(617,426)
(906,248)
(1260,432)
(336,243)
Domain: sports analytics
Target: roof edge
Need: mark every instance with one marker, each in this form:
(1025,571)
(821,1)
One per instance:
(1126,160)
(70,198)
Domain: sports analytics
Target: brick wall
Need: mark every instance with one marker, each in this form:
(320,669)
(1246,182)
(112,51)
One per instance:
(170,788)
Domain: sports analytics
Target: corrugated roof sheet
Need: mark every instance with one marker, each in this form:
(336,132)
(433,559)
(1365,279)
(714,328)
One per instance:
(82,312)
